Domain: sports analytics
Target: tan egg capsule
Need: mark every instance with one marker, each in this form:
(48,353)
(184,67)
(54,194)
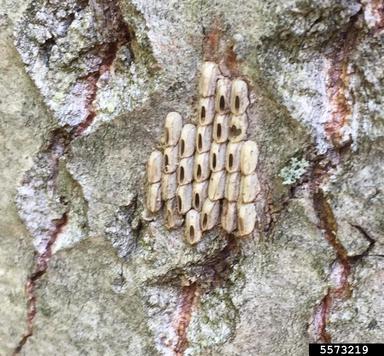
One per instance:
(238,128)
(249,188)
(209,216)
(154,167)
(246,218)
(168,186)
(172,128)
(184,198)
(154,197)
(239,97)
(216,185)
(232,162)
(192,227)
(217,156)
(199,194)
(185,171)
(172,217)
(171,159)
(208,78)
(229,216)
(201,170)
(221,128)
(206,111)
(223,95)
(232,186)
(187,141)
(203,138)
(249,156)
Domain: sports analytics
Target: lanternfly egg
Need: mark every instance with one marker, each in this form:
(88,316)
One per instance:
(172,127)
(210,213)
(192,227)
(207,173)
(208,77)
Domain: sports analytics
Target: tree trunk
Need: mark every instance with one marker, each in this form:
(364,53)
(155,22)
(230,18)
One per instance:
(86,87)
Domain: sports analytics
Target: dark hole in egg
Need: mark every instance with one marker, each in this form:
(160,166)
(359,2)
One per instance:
(191,233)
(214,161)
(200,142)
(230,160)
(218,131)
(237,102)
(205,220)
(202,113)
(222,102)
(197,200)
(198,173)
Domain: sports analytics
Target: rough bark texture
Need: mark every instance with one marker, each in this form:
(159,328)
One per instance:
(85,88)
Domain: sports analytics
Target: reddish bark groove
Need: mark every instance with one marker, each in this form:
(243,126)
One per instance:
(337,82)
(341,269)
(215,272)
(111,24)
(320,320)
(189,296)
(109,19)
(108,54)
(40,269)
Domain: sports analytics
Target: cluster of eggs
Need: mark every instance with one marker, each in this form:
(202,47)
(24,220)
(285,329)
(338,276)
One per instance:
(206,174)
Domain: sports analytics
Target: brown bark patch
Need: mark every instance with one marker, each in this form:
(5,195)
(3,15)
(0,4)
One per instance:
(40,269)
(211,43)
(189,296)
(111,24)
(218,48)
(340,272)
(337,82)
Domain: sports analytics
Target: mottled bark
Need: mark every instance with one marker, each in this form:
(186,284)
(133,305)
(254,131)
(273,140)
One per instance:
(85,89)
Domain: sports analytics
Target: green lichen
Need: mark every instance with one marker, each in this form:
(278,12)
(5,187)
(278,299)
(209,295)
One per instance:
(294,171)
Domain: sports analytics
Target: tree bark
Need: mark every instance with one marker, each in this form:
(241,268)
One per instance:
(86,87)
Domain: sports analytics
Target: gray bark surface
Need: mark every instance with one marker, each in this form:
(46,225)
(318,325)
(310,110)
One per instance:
(85,88)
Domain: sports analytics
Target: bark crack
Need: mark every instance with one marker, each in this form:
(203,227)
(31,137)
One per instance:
(370,239)
(110,23)
(41,267)
(116,33)
(337,82)
(340,271)
(197,279)
(189,298)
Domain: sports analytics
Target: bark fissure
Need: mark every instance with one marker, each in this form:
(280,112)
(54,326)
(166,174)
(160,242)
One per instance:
(341,269)
(337,82)
(54,151)
(189,297)
(370,239)
(92,81)
(200,278)
(109,19)
(110,22)
(41,267)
